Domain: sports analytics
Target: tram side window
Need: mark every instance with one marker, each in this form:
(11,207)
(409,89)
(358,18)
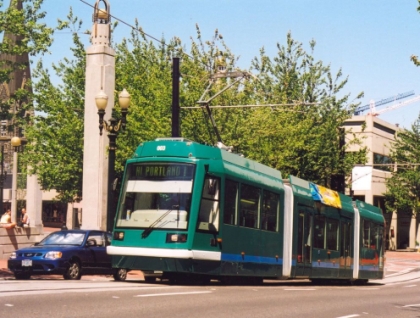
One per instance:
(269,213)
(208,218)
(366,234)
(332,234)
(231,199)
(374,237)
(379,241)
(379,238)
(249,205)
(319,231)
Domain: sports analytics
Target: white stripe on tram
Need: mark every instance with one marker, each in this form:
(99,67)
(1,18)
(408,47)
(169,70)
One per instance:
(356,240)
(164,252)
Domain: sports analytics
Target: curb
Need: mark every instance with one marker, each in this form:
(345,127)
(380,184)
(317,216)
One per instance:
(6,273)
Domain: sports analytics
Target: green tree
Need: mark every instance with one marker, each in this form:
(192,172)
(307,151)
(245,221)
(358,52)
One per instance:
(403,188)
(415,58)
(144,69)
(23,33)
(304,139)
(54,151)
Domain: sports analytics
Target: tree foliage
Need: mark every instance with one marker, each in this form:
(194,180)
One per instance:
(33,36)
(55,134)
(26,34)
(302,139)
(403,188)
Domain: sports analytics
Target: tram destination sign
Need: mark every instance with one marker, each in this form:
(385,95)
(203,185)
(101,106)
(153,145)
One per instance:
(167,171)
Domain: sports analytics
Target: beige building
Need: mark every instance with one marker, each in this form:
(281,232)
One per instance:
(368,182)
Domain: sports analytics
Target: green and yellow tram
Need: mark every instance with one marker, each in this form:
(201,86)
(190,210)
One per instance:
(191,211)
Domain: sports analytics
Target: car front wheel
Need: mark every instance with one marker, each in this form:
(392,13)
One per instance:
(73,271)
(22,275)
(120,274)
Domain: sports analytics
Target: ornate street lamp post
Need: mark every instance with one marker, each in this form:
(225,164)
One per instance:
(16,142)
(113,128)
(3,175)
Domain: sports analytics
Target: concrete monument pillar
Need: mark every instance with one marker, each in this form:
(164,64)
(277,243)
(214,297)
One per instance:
(100,77)
(34,202)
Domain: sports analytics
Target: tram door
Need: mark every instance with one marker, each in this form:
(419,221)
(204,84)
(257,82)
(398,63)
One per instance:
(345,246)
(304,248)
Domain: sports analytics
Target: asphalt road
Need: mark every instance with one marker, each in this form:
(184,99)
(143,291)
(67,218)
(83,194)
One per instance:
(104,298)
(398,295)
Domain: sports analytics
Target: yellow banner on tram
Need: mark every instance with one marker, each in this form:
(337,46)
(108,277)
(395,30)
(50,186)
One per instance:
(326,196)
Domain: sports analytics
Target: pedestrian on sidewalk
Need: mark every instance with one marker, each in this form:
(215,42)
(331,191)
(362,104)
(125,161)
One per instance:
(24,219)
(6,220)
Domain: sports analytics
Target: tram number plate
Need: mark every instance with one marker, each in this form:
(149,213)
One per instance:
(27,262)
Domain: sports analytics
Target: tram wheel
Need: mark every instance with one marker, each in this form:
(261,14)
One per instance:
(257,280)
(318,281)
(22,276)
(149,279)
(360,282)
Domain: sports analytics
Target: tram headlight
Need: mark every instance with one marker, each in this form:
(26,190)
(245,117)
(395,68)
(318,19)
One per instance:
(118,236)
(176,238)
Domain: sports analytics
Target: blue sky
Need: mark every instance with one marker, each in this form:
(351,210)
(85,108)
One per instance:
(371,41)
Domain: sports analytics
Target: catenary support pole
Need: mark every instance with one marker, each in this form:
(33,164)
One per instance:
(175,97)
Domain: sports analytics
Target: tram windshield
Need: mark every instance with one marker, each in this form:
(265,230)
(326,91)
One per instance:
(156,195)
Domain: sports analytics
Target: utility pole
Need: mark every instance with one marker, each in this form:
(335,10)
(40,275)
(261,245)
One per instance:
(175,97)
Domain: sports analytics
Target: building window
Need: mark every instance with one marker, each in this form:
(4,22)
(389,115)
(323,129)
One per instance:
(382,162)
(359,197)
(379,202)
(3,128)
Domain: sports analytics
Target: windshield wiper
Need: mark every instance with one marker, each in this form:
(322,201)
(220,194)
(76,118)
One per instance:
(147,231)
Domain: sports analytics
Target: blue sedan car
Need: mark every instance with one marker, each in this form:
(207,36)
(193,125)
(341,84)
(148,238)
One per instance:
(71,253)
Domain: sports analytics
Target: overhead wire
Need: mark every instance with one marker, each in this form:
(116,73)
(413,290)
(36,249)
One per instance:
(201,62)
(144,33)
(192,58)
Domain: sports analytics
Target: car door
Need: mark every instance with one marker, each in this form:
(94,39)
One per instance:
(98,250)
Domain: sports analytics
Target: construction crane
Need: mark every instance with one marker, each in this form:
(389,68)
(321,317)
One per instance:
(375,112)
(372,105)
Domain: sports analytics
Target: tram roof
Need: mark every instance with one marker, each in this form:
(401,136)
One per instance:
(302,189)
(370,212)
(184,148)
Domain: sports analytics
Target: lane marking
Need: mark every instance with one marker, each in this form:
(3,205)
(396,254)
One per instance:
(410,286)
(349,316)
(414,305)
(367,288)
(300,289)
(400,273)
(174,294)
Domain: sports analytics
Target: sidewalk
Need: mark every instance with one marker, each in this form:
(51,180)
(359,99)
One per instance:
(400,255)
(6,273)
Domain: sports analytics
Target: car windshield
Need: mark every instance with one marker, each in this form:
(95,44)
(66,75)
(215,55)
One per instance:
(63,238)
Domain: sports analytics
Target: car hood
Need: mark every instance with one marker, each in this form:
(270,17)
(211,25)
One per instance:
(46,248)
